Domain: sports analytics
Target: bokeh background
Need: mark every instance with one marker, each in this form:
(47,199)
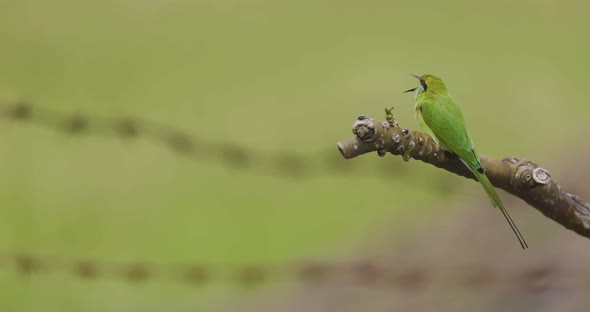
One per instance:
(280,82)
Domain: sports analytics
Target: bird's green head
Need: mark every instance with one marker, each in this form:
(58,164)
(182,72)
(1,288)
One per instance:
(429,84)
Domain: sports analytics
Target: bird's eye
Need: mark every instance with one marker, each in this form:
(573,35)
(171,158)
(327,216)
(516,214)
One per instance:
(423,83)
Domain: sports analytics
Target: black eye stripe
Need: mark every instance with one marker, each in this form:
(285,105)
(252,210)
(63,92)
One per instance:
(423,83)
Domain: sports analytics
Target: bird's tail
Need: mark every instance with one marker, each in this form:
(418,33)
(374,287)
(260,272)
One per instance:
(487,185)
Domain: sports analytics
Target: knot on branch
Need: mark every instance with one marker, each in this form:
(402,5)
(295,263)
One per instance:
(541,176)
(530,175)
(364,129)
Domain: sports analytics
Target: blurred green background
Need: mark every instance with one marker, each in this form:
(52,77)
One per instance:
(276,77)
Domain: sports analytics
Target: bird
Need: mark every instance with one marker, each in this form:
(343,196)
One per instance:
(442,119)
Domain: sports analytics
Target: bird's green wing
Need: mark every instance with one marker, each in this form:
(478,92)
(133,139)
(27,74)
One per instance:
(445,121)
(442,119)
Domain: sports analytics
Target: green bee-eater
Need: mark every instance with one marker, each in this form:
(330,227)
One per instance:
(442,119)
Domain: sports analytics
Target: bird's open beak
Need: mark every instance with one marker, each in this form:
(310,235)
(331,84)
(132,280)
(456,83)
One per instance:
(414,89)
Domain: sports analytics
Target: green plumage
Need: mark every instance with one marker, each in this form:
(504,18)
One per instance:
(442,119)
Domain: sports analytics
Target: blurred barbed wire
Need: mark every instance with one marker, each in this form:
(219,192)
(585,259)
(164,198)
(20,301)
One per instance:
(366,273)
(414,277)
(283,164)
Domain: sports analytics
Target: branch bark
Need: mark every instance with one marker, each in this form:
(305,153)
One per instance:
(521,178)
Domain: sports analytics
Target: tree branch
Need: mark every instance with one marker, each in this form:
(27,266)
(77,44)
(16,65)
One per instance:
(521,178)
